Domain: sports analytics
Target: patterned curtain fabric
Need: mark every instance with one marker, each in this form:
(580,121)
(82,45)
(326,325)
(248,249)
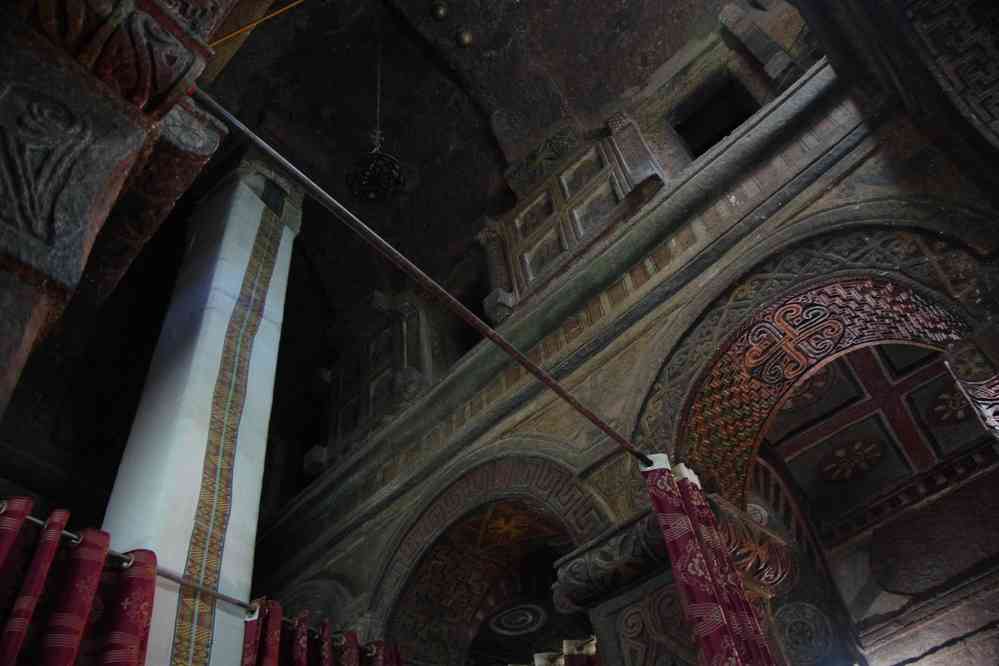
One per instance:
(707,600)
(269,640)
(751,642)
(63,604)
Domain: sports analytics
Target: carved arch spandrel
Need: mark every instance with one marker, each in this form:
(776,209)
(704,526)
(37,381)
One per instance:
(943,274)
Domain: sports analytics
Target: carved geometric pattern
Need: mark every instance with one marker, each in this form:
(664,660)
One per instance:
(732,406)
(805,632)
(192,639)
(40,141)
(728,412)
(653,631)
(128,49)
(959,39)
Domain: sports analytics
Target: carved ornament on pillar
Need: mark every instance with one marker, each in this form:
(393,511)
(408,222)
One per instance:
(637,550)
(631,150)
(189,138)
(500,301)
(974,361)
(149,52)
(764,559)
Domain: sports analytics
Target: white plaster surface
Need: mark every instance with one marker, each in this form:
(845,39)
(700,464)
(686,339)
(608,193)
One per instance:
(156,492)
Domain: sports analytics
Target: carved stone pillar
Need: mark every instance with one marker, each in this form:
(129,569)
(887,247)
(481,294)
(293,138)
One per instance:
(631,150)
(771,55)
(500,301)
(188,140)
(637,550)
(82,84)
(189,484)
(67,148)
(974,362)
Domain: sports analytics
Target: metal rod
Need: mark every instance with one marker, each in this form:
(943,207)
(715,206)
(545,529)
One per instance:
(160,571)
(385,249)
(253,24)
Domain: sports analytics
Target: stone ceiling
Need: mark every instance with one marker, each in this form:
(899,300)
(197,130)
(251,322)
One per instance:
(456,116)
(869,422)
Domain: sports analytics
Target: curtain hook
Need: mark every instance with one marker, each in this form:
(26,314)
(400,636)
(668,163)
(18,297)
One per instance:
(3,507)
(74,539)
(253,613)
(129,560)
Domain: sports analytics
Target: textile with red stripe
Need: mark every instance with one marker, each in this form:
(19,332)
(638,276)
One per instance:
(324,647)
(347,650)
(20,614)
(262,635)
(739,610)
(16,509)
(118,627)
(704,606)
(64,603)
(269,641)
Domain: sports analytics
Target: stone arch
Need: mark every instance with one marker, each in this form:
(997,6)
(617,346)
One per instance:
(710,407)
(323,599)
(473,485)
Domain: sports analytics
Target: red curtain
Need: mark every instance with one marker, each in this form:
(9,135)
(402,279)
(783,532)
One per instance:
(749,638)
(706,605)
(270,640)
(63,604)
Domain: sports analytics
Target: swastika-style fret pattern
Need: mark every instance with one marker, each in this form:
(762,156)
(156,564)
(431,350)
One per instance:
(958,38)
(727,413)
(195,623)
(940,266)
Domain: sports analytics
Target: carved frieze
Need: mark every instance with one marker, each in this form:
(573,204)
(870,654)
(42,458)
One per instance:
(42,141)
(188,140)
(637,550)
(143,55)
(64,152)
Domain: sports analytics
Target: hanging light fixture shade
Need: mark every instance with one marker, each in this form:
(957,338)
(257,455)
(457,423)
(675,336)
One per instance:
(377,176)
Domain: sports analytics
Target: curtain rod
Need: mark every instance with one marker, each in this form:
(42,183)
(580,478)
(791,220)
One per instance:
(251,608)
(384,248)
(162,572)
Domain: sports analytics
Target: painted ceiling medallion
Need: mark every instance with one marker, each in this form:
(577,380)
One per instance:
(851,461)
(519,620)
(950,407)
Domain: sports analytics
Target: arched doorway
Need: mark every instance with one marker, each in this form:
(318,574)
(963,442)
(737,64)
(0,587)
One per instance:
(469,581)
(782,335)
(882,454)
(783,321)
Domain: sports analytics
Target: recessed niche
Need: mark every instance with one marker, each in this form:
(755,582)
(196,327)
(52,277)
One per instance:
(596,209)
(542,254)
(580,174)
(715,116)
(535,215)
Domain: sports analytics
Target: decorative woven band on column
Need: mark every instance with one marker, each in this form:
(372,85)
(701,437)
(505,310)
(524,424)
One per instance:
(195,624)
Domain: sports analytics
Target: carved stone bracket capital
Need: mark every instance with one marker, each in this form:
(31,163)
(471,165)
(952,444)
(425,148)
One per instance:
(635,551)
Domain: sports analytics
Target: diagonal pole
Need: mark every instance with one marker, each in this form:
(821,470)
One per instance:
(382,246)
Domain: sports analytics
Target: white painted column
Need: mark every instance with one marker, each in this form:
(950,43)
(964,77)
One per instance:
(189,484)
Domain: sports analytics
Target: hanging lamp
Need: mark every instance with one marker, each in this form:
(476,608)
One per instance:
(377,176)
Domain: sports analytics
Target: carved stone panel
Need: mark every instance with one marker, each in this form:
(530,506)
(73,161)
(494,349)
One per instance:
(65,150)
